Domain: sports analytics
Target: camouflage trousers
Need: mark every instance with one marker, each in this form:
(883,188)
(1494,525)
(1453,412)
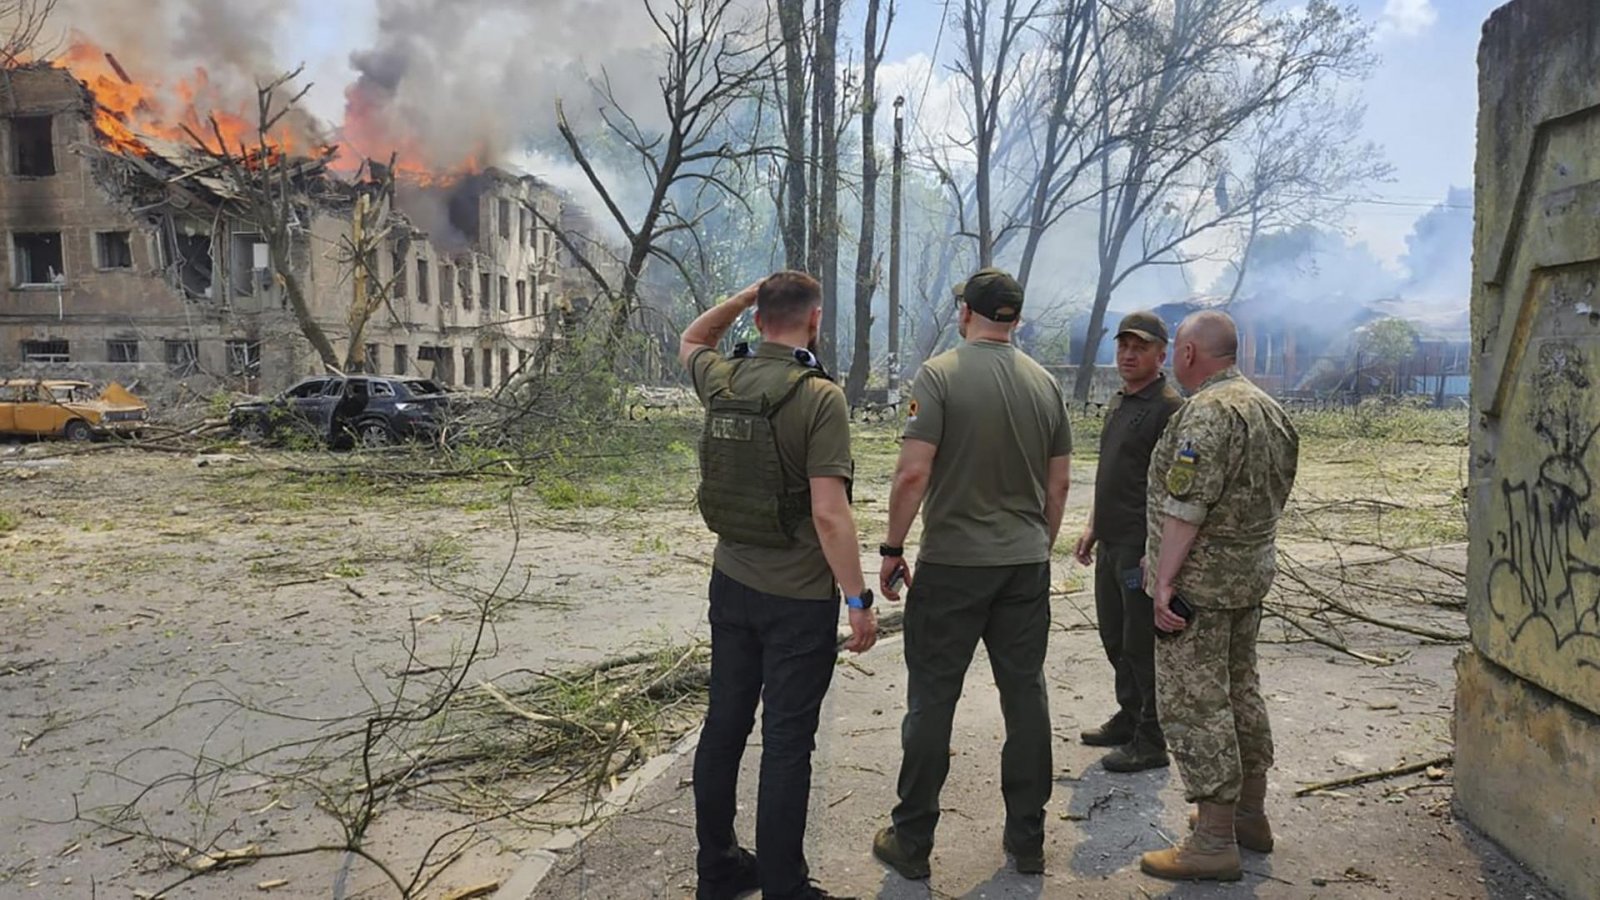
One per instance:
(1208,697)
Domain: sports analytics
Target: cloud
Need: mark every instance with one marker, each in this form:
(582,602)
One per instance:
(1406,18)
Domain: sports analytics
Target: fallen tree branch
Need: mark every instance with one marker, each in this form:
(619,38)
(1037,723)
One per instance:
(1367,777)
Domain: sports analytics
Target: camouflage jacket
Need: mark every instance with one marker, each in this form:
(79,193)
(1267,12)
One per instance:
(1225,462)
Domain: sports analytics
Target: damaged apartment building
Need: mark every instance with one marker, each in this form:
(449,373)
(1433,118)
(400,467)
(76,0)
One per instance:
(127,260)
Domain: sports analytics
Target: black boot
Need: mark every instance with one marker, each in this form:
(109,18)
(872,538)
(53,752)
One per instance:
(1116,731)
(1137,755)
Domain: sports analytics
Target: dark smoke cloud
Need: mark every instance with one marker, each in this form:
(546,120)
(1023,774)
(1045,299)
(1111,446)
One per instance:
(453,80)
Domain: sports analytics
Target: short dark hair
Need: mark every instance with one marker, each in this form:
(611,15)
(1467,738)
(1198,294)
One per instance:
(785,298)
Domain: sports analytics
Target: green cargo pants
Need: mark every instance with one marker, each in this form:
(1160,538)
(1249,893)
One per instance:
(948,610)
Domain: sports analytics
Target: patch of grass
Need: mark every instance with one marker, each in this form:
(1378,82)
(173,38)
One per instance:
(345,568)
(8,521)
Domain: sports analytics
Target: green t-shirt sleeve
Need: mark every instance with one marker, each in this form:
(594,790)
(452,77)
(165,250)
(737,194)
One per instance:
(1061,440)
(1202,460)
(699,365)
(828,441)
(925,415)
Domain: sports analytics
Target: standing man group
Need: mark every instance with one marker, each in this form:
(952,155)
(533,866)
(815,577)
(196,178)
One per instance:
(1219,479)
(1114,543)
(775,472)
(1189,495)
(988,446)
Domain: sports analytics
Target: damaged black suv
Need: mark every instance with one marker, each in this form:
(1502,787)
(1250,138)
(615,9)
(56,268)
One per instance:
(359,410)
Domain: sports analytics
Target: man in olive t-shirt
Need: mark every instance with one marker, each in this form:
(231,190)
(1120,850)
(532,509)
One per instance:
(985,456)
(774,610)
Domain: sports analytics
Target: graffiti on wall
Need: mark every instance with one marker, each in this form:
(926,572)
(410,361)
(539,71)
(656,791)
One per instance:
(1546,569)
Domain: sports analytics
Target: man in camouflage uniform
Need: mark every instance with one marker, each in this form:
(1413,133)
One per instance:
(1218,481)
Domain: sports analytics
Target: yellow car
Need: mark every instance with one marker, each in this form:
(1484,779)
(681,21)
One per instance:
(41,408)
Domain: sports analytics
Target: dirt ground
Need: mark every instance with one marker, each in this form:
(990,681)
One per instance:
(155,608)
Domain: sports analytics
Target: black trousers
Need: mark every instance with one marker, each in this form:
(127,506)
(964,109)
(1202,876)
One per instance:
(949,609)
(1128,634)
(780,652)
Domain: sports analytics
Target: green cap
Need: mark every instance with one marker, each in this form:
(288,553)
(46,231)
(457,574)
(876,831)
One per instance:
(993,294)
(1143,324)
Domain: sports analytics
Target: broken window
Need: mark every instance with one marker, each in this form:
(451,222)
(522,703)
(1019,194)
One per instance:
(398,289)
(183,357)
(244,357)
(488,367)
(522,360)
(522,297)
(485,291)
(505,293)
(505,365)
(543,303)
(114,250)
(423,288)
(51,351)
(505,219)
(442,359)
(249,262)
(447,284)
(191,254)
(374,357)
(37,259)
(469,373)
(122,351)
(401,359)
(33,149)
(466,287)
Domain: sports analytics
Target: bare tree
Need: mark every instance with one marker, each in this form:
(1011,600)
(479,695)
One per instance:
(269,201)
(988,63)
(1307,164)
(792,203)
(824,262)
(22,25)
(371,228)
(1181,80)
(866,262)
(712,62)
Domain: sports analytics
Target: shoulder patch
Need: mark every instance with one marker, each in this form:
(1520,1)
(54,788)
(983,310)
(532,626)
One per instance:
(1180,478)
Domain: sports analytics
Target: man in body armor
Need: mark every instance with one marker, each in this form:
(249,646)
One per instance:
(775,471)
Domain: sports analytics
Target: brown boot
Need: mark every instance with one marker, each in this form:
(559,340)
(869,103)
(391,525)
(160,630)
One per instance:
(1208,854)
(1250,825)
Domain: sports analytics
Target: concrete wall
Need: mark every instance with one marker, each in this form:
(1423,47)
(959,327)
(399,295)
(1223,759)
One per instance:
(1525,713)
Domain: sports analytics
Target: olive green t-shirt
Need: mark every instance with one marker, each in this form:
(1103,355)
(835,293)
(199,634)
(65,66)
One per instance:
(813,437)
(998,418)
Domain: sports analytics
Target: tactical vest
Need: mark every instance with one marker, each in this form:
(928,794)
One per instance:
(743,495)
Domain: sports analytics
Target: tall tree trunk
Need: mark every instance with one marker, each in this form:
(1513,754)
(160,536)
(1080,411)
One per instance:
(791,21)
(828,178)
(866,268)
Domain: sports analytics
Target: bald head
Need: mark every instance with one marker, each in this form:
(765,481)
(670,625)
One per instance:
(1207,342)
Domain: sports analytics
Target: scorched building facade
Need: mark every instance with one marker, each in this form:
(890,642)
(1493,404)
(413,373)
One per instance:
(127,260)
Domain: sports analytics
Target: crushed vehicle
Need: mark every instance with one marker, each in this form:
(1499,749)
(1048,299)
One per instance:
(359,410)
(68,409)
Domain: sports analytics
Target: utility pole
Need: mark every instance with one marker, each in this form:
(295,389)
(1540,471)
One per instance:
(894,251)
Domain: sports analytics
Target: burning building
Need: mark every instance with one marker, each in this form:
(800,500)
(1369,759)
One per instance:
(129,255)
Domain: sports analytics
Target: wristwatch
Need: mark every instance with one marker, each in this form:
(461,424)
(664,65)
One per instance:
(889,552)
(862,602)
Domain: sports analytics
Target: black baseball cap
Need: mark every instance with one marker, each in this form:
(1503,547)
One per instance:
(1143,324)
(993,294)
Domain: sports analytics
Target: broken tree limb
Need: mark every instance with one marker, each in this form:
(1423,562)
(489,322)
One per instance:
(1367,777)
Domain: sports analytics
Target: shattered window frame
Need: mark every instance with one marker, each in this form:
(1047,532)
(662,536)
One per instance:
(33,145)
(122,350)
(48,350)
(505,218)
(505,289)
(447,274)
(488,367)
(182,356)
(469,367)
(402,359)
(374,356)
(244,357)
(25,245)
(424,286)
(486,284)
(522,296)
(113,250)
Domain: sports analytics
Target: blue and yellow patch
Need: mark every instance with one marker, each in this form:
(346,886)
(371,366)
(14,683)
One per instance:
(1180,478)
